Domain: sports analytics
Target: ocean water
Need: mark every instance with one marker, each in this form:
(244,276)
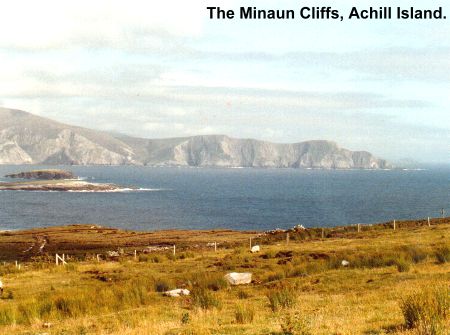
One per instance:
(243,199)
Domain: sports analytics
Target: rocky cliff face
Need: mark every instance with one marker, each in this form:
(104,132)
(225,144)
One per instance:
(29,139)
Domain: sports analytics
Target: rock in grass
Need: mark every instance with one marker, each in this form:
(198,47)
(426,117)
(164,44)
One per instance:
(177,292)
(256,248)
(345,263)
(235,278)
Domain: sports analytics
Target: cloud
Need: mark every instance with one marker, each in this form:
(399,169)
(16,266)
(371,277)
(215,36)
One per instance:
(52,24)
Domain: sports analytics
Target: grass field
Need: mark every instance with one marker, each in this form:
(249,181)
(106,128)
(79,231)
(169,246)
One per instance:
(396,282)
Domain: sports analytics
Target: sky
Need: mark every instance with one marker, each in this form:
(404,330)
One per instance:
(160,69)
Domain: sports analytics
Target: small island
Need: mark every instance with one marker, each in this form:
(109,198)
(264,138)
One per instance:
(54,180)
(50,174)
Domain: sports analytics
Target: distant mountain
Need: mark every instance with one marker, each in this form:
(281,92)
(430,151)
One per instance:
(29,139)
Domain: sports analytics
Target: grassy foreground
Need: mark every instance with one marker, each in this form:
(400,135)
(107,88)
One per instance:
(396,282)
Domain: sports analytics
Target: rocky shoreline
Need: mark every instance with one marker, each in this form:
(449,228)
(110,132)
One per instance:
(60,186)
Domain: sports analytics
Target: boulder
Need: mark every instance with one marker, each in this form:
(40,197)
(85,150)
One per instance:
(235,278)
(112,253)
(177,292)
(345,263)
(255,248)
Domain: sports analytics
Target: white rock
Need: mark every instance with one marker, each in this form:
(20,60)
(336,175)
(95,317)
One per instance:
(112,253)
(177,292)
(235,278)
(256,248)
(345,263)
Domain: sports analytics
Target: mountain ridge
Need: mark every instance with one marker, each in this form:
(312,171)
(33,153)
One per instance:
(30,139)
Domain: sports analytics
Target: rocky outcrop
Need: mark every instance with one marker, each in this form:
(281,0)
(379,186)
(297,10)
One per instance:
(29,139)
(43,174)
(59,186)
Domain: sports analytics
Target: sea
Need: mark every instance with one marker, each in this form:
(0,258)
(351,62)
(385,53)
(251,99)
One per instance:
(240,199)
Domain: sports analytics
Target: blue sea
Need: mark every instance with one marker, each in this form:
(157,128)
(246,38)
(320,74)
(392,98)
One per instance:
(243,199)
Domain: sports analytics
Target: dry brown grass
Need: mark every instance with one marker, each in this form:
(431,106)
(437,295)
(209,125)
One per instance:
(120,297)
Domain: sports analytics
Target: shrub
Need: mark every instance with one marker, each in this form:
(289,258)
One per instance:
(402,265)
(294,323)
(427,311)
(443,255)
(244,314)
(185,255)
(281,298)
(204,299)
(143,258)
(9,295)
(7,316)
(268,255)
(161,285)
(415,254)
(242,294)
(298,271)
(185,318)
(278,275)
(210,280)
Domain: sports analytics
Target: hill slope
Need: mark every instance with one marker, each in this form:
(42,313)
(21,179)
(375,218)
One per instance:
(29,139)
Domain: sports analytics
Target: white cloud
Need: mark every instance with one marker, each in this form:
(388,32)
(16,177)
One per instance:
(49,24)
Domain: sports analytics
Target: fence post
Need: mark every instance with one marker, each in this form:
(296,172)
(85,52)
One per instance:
(359,227)
(394,224)
(250,243)
(135,255)
(174,249)
(323,232)
(215,246)
(98,258)
(429,224)
(287,238)
(59,258)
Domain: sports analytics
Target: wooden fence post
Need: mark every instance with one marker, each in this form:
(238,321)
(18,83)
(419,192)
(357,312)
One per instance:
(359,227)
(429,223)
(250,243)
(394,224)
(58,258)
(135,255)
(287,238)
(215,246)
(323,232)
(174,249)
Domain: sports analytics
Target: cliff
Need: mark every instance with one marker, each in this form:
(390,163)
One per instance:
(29,139)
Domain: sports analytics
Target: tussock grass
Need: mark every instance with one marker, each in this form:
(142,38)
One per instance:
(427,310)
(443,254)
(294,323)
(244,314)
(209,280)
(205,299)
(281,298)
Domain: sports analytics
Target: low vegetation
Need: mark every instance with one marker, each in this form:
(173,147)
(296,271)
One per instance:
(390,283)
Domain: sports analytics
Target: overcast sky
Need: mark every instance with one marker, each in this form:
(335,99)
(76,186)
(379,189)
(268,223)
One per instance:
(162,68)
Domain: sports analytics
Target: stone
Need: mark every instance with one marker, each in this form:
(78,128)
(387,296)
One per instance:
(255,248)
(177,293)
(236,278)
